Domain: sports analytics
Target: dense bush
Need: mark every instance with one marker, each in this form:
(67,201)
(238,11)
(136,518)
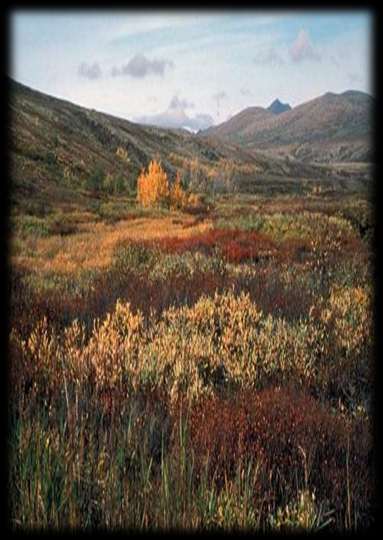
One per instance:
(219,342)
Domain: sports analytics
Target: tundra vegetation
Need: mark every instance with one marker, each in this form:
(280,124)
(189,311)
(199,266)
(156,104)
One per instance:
(180,360)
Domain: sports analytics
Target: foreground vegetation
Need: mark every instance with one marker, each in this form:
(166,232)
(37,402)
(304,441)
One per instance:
(193,371)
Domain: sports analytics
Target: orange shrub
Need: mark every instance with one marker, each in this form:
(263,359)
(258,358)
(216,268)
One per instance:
(153,186)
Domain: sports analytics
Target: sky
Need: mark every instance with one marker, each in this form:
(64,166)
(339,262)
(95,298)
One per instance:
(190,69)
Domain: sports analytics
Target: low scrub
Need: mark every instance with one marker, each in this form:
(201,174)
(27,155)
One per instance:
(297,443)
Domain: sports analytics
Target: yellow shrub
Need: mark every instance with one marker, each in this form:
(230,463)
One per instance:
(122,153)
(198,350)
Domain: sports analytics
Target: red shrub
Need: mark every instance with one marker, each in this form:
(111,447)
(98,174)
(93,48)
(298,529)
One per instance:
(293,439)
(236,246)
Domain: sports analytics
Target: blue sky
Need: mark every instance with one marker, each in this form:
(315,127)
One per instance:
(192,68)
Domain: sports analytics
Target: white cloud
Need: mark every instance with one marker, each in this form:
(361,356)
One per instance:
(90,71)
(139,66)
(335,61)
(219,95)
(177,103)
(268,57)
(302,48)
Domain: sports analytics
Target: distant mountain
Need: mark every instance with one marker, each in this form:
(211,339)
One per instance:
(278,107)
(330,128)
(241,125)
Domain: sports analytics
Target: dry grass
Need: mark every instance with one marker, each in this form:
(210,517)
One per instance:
(93,246)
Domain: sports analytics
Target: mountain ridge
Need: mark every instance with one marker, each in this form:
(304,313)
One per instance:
(308,130)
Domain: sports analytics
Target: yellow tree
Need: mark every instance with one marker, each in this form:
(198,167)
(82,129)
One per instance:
(153,186)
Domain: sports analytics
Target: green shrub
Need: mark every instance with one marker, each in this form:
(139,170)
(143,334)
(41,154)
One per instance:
(247,222)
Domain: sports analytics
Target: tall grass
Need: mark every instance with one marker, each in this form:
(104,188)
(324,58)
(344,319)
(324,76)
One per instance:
(120,467)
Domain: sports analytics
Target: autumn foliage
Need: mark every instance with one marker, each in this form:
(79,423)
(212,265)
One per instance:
(153,188)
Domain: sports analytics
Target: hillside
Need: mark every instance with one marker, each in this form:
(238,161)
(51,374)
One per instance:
(56,145)
(330,128)
(49,135)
